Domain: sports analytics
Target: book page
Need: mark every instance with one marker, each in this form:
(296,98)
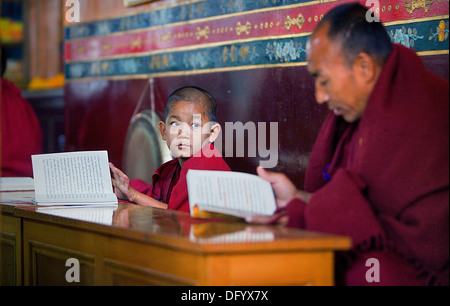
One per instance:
(73,177)
(17,198)
(16,183)
(238,237)
(218,232)
(232,193)
(100,215)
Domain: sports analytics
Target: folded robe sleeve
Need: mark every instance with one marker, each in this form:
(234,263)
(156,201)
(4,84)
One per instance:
(344,216)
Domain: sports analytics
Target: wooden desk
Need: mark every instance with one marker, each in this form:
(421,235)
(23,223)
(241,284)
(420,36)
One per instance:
(136,245)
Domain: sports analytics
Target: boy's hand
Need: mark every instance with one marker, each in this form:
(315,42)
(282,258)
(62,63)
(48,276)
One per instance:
(121,184)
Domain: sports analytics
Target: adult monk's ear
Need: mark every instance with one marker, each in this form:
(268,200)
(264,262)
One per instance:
(366,67)
(162,130)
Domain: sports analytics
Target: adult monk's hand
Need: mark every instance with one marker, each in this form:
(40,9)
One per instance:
(284,191)
(283,188)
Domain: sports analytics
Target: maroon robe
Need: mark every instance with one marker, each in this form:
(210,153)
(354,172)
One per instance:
(169,180)
(21,134)
(384,181)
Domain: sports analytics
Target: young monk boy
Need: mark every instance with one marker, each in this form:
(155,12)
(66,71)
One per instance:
(189,128)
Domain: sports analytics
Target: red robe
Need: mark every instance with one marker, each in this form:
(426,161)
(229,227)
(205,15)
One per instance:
(389,179)
(169,180)
(20,132)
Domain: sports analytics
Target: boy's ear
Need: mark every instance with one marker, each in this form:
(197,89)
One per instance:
(162,130)
(214,132)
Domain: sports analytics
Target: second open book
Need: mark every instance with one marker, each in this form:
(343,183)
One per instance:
(73,178)
(231,193)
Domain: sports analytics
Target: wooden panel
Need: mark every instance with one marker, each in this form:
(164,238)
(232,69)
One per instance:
(47,265)
(45,37)
(47,248)
(103,260)
(8,266)
(273,269)
(1,223)
(103,9)
(121,274)
(158,264)
(10,251)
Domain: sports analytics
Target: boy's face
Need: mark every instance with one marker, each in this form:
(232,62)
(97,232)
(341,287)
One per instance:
(183,129)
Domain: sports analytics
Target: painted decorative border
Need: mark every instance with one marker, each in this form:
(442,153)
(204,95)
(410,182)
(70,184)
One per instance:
(263,37)
(214,9)
(422,37)
(129,3)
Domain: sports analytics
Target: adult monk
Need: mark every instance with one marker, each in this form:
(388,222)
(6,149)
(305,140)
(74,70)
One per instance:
(379,170)
(21,134)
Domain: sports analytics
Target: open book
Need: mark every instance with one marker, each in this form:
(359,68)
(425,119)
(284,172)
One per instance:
(73,178)
(230,193)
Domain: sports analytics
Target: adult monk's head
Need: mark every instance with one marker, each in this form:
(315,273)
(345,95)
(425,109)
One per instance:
(346,54)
